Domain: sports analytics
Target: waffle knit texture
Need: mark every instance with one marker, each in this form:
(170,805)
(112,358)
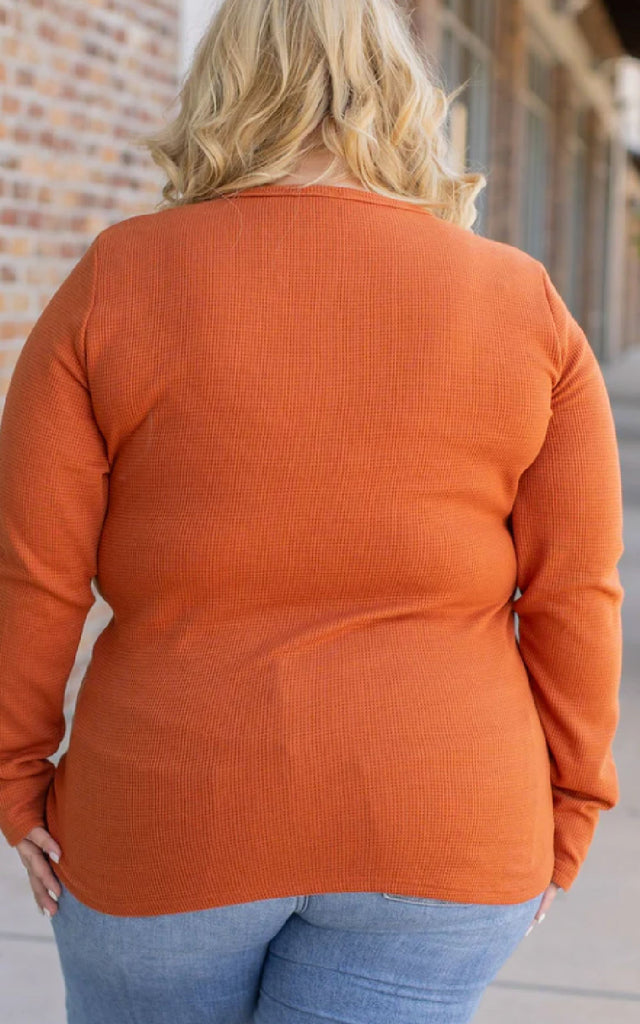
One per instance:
(315,446)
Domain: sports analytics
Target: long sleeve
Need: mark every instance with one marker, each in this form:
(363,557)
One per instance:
(567,528)
(53,498)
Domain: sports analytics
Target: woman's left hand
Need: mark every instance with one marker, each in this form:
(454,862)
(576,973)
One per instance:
(547,899)
(45,885)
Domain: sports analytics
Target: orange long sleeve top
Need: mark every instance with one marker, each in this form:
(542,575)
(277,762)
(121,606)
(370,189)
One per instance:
(347,476)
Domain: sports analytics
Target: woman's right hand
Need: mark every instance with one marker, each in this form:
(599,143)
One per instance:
(32,850)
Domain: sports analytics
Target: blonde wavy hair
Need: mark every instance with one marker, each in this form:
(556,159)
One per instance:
(270,77)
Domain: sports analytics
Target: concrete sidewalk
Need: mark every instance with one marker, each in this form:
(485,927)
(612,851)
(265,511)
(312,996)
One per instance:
(581,965)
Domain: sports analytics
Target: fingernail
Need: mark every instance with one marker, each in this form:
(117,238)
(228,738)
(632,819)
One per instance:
(529,929)
(52,895)
(45,910)
(54,856)
(541,918)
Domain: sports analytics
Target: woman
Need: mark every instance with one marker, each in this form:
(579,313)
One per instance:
(309,434)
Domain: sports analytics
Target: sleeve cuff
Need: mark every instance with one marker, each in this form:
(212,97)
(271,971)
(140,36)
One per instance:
(564,876)
(19,829)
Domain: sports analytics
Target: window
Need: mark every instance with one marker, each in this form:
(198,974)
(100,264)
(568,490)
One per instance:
(537,142)
(467,42)
(574,294)
(602,342)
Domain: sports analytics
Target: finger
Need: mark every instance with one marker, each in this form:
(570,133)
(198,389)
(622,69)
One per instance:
(27,851)
(38,867)
(547,900)
(43,899)
(542,912)
(45,842)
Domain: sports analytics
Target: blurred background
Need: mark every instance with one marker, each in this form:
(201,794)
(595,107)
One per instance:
(551,115)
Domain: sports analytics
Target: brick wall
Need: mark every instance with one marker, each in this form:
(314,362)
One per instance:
(78,79)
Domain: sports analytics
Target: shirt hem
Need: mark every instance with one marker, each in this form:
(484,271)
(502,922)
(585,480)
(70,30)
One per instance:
(176,904)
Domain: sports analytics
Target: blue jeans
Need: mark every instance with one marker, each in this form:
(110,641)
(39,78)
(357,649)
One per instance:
(356,957)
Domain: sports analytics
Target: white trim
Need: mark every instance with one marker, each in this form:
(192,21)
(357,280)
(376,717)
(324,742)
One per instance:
(628,96)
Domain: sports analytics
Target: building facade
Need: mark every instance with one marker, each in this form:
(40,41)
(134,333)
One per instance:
(546,111)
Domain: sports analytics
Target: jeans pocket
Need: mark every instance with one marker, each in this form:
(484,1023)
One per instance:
(427,900)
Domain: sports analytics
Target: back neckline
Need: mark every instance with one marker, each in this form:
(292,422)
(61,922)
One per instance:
(341,192)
